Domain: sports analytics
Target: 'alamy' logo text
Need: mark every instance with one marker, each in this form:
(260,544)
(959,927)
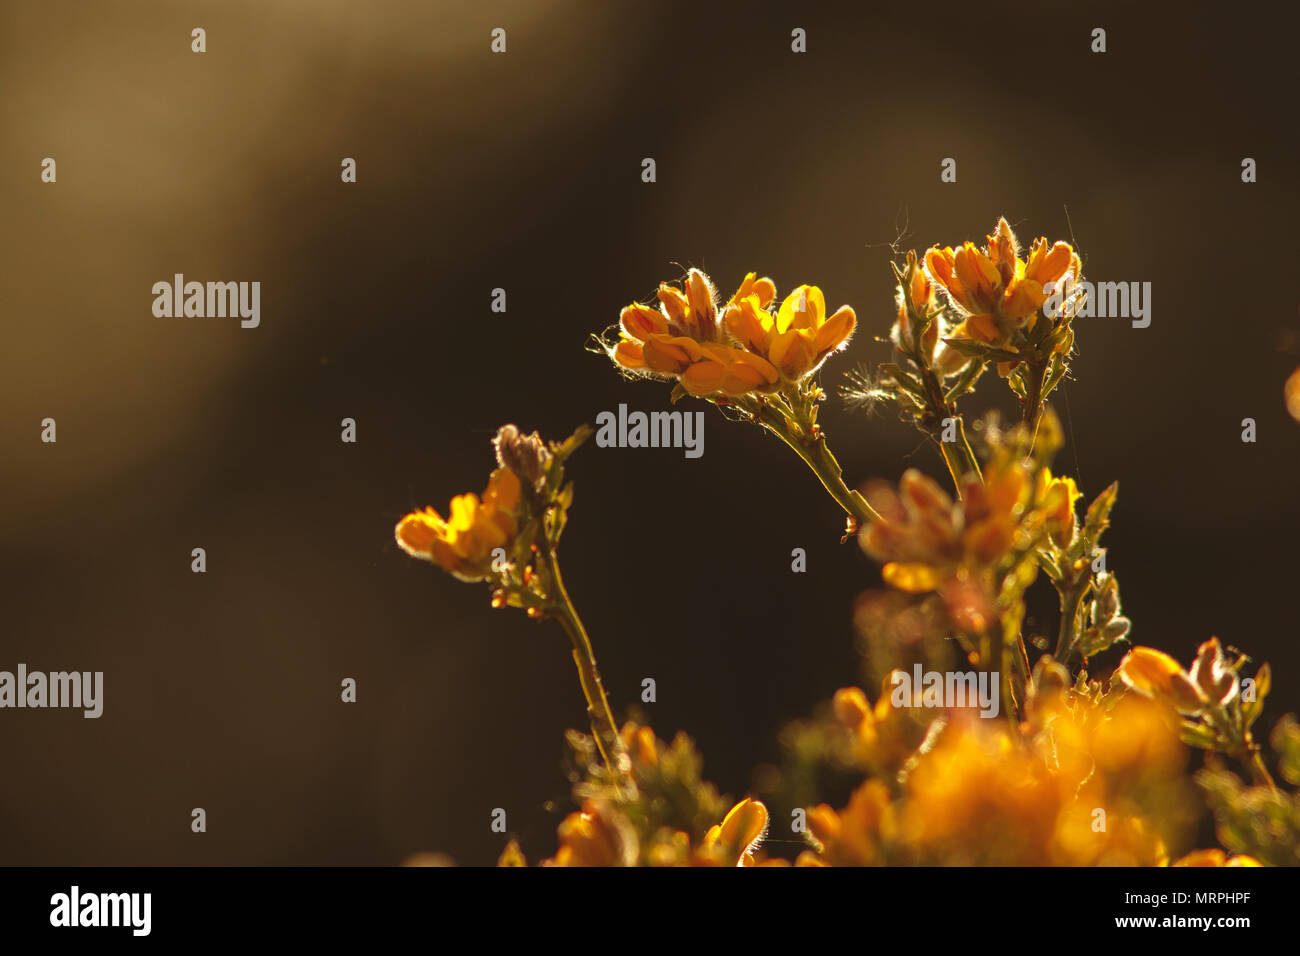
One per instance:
(954,689)
(216,300)
(655,430)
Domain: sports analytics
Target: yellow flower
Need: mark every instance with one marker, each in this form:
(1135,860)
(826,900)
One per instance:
(999,291)
(883,737)
(512,855)
(1212,674)
(981,793)
(1156,674)
(914,295)
(855,836)
(733,841)
(929,543)
(683,339)
(798,338)
(463,544)
(1057,497)
(1293,394)
(594,836)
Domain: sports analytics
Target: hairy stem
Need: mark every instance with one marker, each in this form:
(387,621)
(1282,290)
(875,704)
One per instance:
(958,456)
(1032,411)
(1071,598)
(817,455)
(584,656)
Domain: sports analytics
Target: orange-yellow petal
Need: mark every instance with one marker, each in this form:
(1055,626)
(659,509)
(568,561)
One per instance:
(912,578)
(1050,265)
(803,308)
(981,327)
(836,331)
(746,372)
(666,355)
(704,378)
(640,321)
(1156,674)
(792,353)
(503,489)
(417,531)
(979,278)
(629,355)
(748,323)
(1293,394)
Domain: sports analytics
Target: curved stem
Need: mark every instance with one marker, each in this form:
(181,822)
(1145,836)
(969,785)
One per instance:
(584,656)
(1070,601)
(1260,771)
(959,457)
(817,455)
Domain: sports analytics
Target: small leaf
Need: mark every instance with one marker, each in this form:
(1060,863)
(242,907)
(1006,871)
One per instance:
(980,350)
(1055,374)
(1198,735)
(965,381)
(1098,517)
(565,498)
(1251,709)
(571,444)
(904,380)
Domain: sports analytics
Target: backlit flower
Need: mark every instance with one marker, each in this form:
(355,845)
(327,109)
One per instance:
(733,841)
(997,290)
(1156,674)
(982,794)
(798,338)
(928,542)
(1058,496)
(595,836)
(683,339)
(1292,392)
(464,542)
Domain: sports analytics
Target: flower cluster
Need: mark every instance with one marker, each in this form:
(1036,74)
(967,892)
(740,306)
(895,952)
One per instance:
(743,347)
(1216,712)
(653,810)
(1094,782)
(998,292)
(961,548)
(1070,769)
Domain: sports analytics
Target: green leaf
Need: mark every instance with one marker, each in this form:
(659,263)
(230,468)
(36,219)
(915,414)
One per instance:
(1098,517)
(1198,735)
(1251,709)
(571,444)
(980,350)
(1054,375)
(905,380)
(965,381)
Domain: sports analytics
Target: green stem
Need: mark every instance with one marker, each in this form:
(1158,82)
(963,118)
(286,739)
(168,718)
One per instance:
(1033,407)
(1260,771)
(817,455)
(1071,598)
(958,456)
(584,656)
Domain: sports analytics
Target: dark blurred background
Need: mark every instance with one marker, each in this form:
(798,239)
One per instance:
(522,171)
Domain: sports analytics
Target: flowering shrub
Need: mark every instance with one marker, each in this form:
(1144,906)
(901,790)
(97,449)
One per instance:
(1063,763)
